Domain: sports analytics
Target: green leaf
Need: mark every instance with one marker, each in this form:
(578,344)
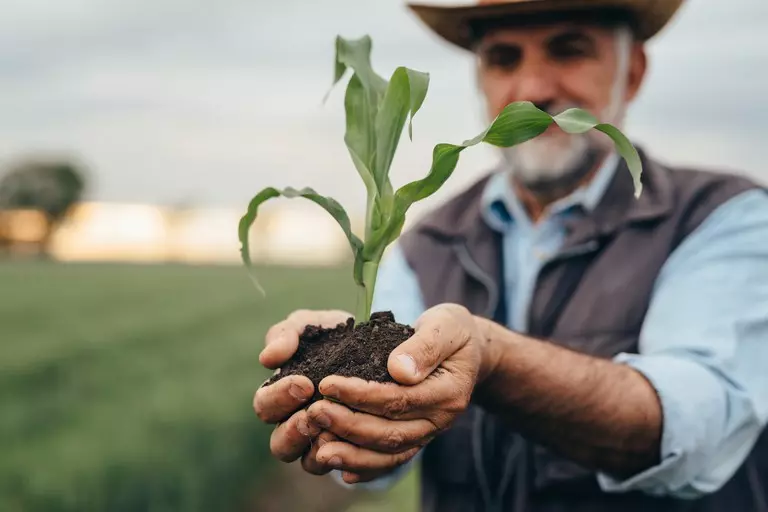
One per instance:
(249,218)
(445,157)
(364,94)
(627,152)
(419,84)
(328,204)
(575,121)
(360,136)
(405,95)
(578,121)
(361,144)
(517,123)
(356,54)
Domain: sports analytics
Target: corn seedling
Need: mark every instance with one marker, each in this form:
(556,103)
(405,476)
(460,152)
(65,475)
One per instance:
(376,113)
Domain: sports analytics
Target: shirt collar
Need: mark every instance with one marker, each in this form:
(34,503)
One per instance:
(500,205)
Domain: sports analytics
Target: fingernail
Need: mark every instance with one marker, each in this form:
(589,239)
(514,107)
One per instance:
(408,364)
(335,461)
(330,391)
(322,420)
(265,350)
(321,442)
(302,427)
(297,392)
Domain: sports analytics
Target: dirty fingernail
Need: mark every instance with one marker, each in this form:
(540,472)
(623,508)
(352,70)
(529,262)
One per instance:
(408,364)
(322,420)
(297,392)
(335,461)
(302,427)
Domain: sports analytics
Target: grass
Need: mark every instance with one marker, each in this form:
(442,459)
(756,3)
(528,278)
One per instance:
(129,387)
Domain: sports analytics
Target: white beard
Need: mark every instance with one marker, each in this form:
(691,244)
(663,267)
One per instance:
(547,159)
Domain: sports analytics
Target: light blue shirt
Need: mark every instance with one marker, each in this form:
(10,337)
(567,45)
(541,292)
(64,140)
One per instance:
(703,344)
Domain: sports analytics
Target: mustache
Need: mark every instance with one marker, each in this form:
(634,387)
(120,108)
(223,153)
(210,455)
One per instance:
(555,107)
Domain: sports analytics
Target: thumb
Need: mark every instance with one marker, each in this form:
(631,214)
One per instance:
(282,339)
(439,334)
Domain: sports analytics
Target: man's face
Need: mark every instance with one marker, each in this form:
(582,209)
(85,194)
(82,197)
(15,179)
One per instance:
(557,67)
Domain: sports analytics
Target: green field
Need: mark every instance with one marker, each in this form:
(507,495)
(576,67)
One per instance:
(129,387)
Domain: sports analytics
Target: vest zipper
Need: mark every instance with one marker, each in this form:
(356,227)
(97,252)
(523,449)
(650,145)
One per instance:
(578,250)
(473,269)
(493,501)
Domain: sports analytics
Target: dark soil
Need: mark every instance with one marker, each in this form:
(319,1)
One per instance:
(347,350)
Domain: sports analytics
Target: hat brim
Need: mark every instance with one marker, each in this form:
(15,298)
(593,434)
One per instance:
(453,23)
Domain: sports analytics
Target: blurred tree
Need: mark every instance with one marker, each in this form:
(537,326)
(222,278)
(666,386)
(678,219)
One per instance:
(50,187)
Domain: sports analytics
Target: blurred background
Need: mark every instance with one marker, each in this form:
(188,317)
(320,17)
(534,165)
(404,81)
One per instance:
(133,134)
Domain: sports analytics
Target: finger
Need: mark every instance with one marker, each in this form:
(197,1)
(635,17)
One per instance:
(435,399)
(440,332)
(281,342)
(352,478)
(292,438)
(282,339)
(368,476)
(347,457)
(368,431)
(279,400)
(309,461)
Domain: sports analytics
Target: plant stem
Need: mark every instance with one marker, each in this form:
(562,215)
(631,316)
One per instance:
(361,310)
(365,294)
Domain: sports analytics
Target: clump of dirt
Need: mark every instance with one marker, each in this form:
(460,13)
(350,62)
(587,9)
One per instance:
(347,350)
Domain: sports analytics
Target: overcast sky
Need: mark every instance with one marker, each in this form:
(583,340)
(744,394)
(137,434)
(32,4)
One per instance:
(182,100)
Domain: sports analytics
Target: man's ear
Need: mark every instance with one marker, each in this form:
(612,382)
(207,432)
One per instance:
(638,63)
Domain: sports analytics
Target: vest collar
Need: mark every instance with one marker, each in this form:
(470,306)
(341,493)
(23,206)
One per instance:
(619,207)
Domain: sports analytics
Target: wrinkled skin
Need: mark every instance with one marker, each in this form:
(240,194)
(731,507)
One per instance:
(379,426)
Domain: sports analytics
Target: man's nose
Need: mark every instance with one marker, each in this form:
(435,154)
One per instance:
(535,82)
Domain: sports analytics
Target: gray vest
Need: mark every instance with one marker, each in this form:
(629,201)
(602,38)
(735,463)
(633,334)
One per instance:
(592,297)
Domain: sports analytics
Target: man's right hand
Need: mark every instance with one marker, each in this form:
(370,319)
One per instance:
(281,403)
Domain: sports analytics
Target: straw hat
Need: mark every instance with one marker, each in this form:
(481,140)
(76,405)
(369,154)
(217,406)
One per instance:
(455,23)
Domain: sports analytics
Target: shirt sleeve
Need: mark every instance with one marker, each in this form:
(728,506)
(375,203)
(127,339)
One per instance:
(703,347)
(397,290)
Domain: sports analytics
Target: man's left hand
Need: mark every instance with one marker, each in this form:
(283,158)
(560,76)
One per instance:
(385,425)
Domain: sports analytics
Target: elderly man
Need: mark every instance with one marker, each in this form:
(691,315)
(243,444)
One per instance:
(575,348)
